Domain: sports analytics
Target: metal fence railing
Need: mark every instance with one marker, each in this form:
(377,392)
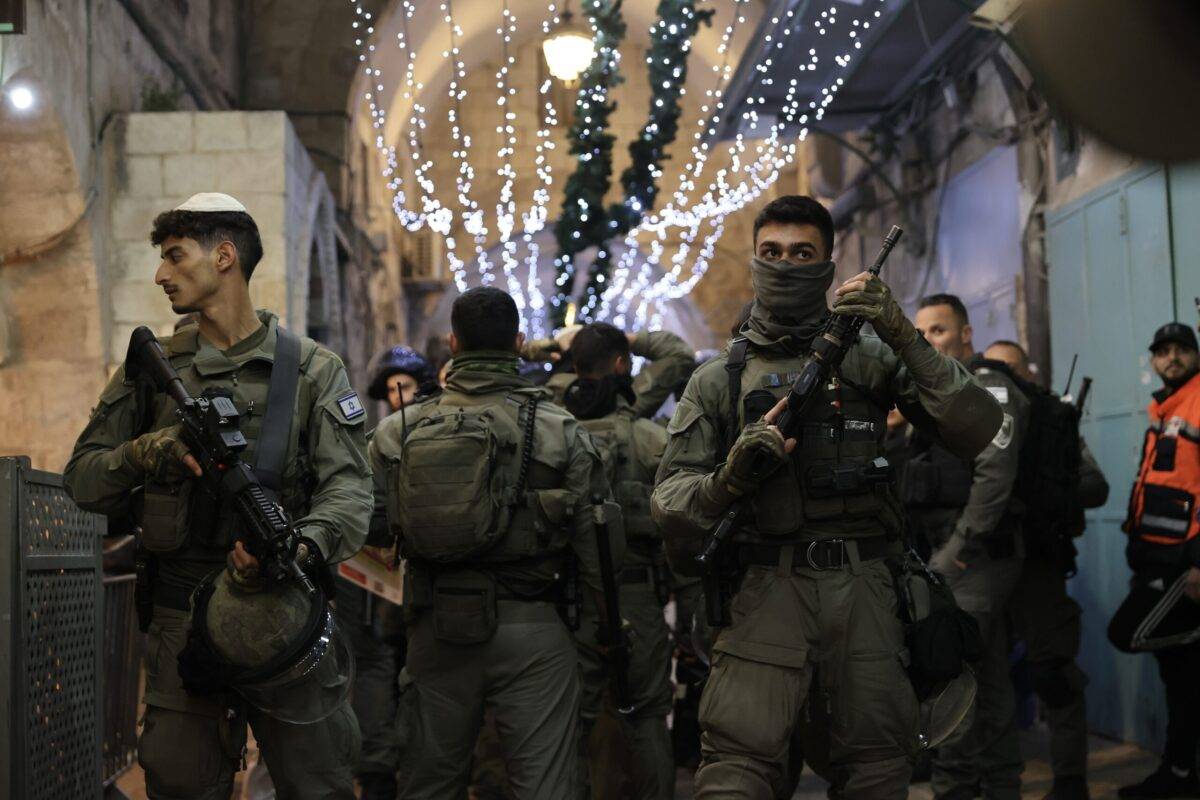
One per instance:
(50,635)
(122,672)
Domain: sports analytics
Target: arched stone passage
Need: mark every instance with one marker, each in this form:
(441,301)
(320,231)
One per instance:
(50,340)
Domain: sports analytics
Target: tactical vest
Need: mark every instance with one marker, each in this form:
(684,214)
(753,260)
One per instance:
(834,478)
(182,519)
(934,478)
(468,487)
(632,486)
(1164,506)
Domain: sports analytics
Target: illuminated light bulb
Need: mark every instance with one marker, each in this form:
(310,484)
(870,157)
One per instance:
(569,50)
(21,97)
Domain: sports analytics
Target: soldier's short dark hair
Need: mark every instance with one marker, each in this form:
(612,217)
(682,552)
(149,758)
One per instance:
(595,345)
(797,209)
(210,228)
(951,300)
(485,318)
(1009,343)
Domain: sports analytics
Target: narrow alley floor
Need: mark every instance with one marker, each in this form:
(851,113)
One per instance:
(1110,766)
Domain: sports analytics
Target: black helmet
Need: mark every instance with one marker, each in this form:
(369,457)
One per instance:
(400,358)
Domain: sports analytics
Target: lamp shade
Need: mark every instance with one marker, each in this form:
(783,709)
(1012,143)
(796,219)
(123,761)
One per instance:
(569,50)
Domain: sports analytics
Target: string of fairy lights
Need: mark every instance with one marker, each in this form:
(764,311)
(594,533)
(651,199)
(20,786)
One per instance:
(670,249)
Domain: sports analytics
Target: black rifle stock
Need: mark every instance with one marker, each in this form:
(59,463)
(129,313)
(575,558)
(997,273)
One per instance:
(829,348)
(618,645)
(211,433)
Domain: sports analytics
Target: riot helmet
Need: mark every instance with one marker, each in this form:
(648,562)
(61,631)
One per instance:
(272,643)
(399,359)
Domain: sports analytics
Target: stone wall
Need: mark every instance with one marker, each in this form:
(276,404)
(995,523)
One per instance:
(157,160)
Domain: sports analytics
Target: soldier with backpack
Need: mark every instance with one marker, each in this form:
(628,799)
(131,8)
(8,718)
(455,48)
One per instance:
(967,511)
(631,448)
(489,490)
(1058,479)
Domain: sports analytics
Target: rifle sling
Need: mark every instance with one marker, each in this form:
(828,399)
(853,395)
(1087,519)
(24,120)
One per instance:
(275,434)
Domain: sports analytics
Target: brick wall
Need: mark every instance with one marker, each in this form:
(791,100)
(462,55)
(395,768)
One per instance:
(160,159)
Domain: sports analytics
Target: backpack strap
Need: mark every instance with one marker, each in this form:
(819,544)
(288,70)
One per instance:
(735,365)
(271,453)
(526,449)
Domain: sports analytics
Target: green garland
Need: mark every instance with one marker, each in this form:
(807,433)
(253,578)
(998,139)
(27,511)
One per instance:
(584,221)
(667,61)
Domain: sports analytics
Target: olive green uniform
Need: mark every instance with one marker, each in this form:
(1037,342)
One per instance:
(671,359)
(796,609)
(191,746)
(986,535)
(632,449)
(521,663)
(1048,620)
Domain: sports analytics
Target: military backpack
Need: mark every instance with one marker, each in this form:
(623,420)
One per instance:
(461,476)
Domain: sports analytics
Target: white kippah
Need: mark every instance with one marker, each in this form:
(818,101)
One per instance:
(211,201)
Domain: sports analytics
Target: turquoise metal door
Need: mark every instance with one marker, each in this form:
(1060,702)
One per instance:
(1111,286)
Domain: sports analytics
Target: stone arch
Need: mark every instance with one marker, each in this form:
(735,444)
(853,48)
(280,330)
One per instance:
(50,330)
(318,258)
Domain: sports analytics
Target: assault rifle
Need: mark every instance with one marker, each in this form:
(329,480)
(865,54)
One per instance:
(211,433)
(614,633)
(829,348)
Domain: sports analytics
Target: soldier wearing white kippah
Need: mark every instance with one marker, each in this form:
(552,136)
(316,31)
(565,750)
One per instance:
(306,444)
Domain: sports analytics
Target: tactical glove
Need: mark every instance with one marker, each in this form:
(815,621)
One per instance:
(159,454)
(757,453)
(876,303)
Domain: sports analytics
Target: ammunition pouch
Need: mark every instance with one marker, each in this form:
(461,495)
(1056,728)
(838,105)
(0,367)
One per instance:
(164,516)
(464,608)
(838,480)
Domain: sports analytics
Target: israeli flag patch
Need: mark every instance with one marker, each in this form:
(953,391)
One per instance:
(351,406)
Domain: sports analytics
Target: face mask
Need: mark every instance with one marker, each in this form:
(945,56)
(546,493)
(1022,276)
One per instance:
(789,292)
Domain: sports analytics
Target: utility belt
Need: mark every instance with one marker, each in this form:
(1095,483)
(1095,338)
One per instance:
(465,603)
(722,581)
(819,555)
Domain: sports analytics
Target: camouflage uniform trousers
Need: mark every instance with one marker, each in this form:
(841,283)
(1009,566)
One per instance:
(644,730)
(789,625)
(191,747)
(986,757)
(526,675)
(1047,618)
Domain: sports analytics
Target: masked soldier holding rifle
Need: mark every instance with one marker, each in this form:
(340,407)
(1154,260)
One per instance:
(812,521)
(256,459)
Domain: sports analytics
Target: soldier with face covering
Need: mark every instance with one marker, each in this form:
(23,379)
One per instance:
(811,551)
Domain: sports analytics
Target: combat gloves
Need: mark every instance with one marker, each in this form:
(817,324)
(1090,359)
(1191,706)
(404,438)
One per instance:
(876,303)
(757,453)
(159,454)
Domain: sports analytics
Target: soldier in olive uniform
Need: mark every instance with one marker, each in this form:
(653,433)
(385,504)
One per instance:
(191,746)
(670,361)
(489,488)
(631,448)
(1048,619)
(978,548)
(815,589)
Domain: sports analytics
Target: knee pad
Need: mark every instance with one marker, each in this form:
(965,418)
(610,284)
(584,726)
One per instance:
(1057,683)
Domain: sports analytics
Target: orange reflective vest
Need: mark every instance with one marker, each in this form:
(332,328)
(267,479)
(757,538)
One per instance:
(1165,501)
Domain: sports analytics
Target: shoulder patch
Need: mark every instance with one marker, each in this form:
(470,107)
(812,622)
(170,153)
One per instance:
(1004,436)
(351,406)
(999,392)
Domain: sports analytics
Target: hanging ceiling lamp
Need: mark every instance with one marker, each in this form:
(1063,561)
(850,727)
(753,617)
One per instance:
(569,49)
